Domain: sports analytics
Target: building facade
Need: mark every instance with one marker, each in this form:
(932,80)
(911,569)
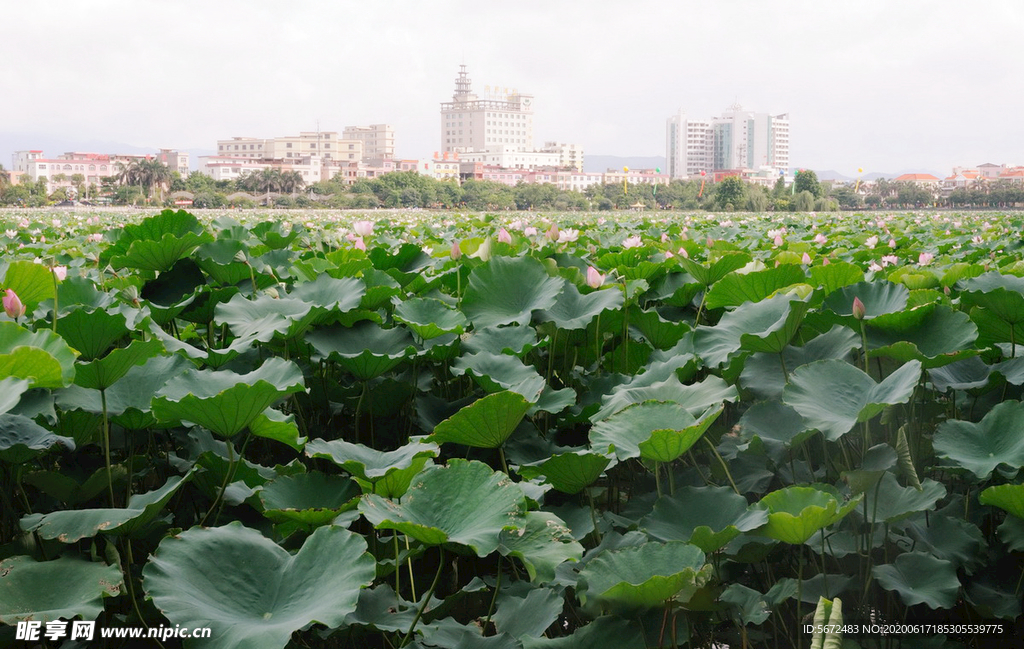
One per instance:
(378,140)
(736,139)
(325,145)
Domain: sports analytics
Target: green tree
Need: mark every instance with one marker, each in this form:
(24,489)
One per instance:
(803,201)
(807,181)
(731,191)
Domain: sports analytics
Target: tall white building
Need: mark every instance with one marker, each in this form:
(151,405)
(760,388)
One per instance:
(689,145)
(502,117)
(325,145)
(736,139)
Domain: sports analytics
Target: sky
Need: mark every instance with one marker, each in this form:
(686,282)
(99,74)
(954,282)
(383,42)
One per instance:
(874,84)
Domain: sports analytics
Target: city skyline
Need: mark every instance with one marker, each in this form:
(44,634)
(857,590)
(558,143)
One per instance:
(867,85)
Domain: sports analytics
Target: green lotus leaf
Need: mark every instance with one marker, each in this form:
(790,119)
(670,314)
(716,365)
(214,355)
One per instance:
(528,616)
(736,288)
(1008,497)
(835,276)
(765,326)
(508,290)
(666,445)
(605,631)
(645,576)
(221,261)
(695,398)
(328,294)
(980,447)
(948,538)
(102,373)
(366,349)
(485,423)
(496,372)
(660,333)
(967,374)
(716,270)
(1002,295)
(72,525)
(223,401)
(134,391)
(992,599)
(177,223)
(517,341)
(542,542)
(776,425)
(42,357)
(21,439)
(762,373)
(890,502)
(92,332)
(569,472)
(277,235)
(833,395)
(64,588)
(369,463)
(992,329)
(940,337)
(32,282)
(430,318)
(796,513)
(264,317)
(11,390)
(574,310)
(748,605)
(653,429)
(159,254)
(920,578)
(274,424)
(311,499)
(879,298)
(251,592)
(463,503)
(707,517)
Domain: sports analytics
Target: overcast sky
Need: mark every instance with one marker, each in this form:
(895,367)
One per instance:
(880,84)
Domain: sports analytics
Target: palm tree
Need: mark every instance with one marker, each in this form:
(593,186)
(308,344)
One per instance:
(291,182)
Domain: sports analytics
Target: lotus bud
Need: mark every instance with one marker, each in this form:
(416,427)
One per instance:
(504,236)
(272,292)
(484,251)
(858,309)
(530,231)
(456,251)
(553,232)
(825,262)
(12,305)
(806,259)
(359,245)
(594,278)
(778,240)
(925,258)
(892,243)
(664,237)
(684,253)
(60,272)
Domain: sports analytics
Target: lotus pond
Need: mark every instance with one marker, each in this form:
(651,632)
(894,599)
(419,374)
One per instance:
(421,429)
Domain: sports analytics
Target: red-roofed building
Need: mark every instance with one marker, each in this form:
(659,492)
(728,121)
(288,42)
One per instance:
(921,180)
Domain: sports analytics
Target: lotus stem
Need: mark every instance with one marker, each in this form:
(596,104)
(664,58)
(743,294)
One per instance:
(657,478)
(426,598)
(106,446)
(412,577)
(494,598)
(785,372)
(725,467)
(593,516)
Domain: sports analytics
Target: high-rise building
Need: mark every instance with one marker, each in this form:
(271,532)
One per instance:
(689,145)
(737,139)
(502,117)
(378,140)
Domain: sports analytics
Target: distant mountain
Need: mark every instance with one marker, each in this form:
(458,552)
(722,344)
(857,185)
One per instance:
(829,174)
(600,163)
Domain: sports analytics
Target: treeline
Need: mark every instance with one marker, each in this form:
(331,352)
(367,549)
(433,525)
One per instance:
(411,190)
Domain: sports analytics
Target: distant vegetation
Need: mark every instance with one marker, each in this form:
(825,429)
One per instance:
(150,185)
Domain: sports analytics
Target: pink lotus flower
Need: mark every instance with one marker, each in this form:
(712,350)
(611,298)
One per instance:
(806,259)
(892,243)
(825,261)
(664,237)
(530,231)
(60,272)
(925,258)
(363,228)
(890,260)
(504,236)
(859,311)
(12,305)
(359,245)
(683,253)
(456,251)
(871,242)
(873,266)
(820,239)
(632,242)
(553,232)
(568,234)
(594,278)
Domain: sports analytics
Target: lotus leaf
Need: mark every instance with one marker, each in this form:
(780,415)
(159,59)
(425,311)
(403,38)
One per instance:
(42,357)
(463,503)
(736,288)
(1008,497)
(21,439)
(569,472)
(251,592)
(430,318)
(833,395)
(507,290)
(367,350)
(707,517)
(796,513)
(980,447)
(311,499)
(574,310)
(64,588)
(920,578)
(765,326)
(485,423)
(878,298)
(645,576)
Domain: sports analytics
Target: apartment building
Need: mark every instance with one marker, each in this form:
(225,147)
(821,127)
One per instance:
(378,140)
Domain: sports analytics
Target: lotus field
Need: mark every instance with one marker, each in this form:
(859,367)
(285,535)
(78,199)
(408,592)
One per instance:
(421,429)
